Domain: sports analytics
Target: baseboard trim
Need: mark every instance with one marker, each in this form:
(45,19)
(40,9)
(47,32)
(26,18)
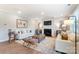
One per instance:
(3,40)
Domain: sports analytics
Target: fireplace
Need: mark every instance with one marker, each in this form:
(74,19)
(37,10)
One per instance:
(48,32)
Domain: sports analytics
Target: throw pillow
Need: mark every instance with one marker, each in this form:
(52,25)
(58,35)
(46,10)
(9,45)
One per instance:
(64,36)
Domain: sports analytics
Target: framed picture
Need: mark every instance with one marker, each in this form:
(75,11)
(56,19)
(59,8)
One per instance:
(21,23)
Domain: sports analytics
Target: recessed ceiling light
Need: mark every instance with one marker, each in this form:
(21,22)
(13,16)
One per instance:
(19,12)
(42,13)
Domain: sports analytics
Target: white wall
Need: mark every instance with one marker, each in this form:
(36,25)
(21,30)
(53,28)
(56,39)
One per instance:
(7,21)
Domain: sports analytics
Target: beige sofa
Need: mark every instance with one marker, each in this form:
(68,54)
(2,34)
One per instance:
(67,46)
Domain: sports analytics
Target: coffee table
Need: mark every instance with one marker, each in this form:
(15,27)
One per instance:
(29,42)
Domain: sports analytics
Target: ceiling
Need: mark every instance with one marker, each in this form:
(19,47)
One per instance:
(36,10)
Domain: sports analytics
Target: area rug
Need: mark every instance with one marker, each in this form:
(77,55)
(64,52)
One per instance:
(45,46)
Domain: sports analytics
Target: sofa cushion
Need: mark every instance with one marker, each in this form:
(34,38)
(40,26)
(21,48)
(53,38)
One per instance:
(71,37)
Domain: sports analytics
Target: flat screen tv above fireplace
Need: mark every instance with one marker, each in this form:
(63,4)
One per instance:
(47,22)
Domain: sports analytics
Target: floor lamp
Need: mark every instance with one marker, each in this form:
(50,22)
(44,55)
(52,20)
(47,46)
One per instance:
(75,20)
(72,19)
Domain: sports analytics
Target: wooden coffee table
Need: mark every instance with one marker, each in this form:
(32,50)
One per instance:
(29,42)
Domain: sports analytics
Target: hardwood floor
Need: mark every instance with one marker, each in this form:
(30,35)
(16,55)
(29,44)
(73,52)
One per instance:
(15,48)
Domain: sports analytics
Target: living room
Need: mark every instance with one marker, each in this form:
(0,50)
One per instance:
(36,28)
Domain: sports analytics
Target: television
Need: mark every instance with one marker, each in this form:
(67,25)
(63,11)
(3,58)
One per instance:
(47,22)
